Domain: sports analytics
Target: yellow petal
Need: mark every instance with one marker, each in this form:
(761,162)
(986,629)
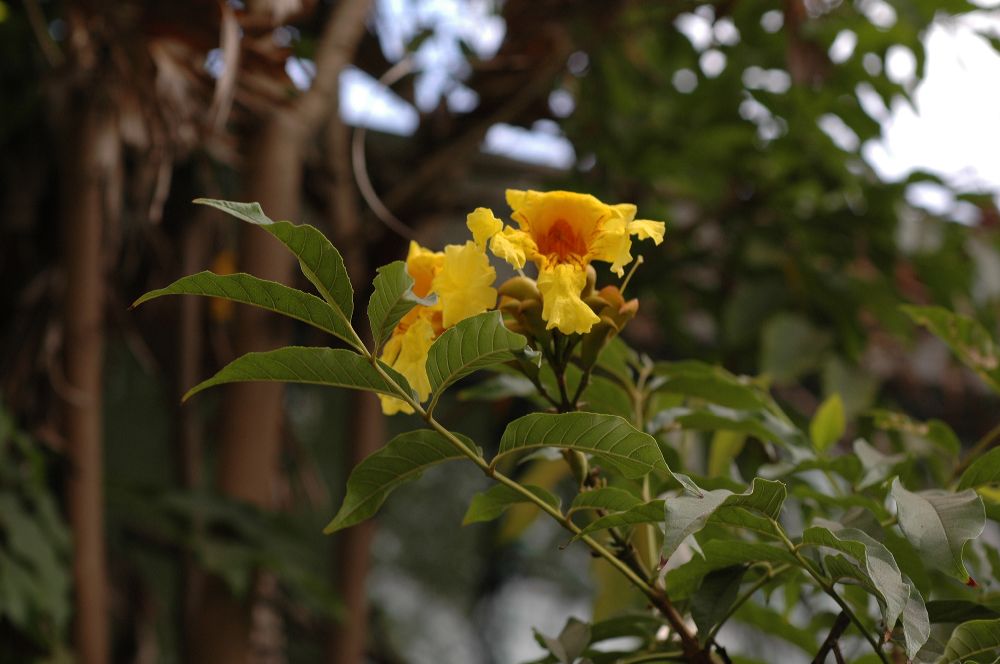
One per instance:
(513,246)
(626,211)
(483,225)
(516,197)
(464,285)
(406,352)
(562,307)
(647,230)
(422,264)
(392,405)
(612,244)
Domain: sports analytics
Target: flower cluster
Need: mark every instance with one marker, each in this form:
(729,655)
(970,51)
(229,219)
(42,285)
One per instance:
(562,233)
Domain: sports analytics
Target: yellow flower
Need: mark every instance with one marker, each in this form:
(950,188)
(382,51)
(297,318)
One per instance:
(562,232)
(464,285)
(462,278)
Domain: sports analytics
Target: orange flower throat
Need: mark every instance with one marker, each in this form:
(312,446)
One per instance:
(561,242)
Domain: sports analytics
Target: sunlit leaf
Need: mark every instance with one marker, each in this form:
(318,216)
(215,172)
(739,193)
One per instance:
(984,471)
(828,424)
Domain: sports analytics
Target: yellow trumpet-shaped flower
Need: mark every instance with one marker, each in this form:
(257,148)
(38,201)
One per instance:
(462,278)
(562,232)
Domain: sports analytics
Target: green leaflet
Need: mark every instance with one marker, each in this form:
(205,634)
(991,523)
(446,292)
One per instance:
(983,471)
(606,498)
(319,260)
(876,564)
(392,299)
(972,640)
(332,367)
(492,503)
(608,437)
(402,460)
(762,424)
(683,581)
(711,383)
(470,345)
(686,514)
(714,598)
(269,295)
(916,622)
(939,523)
(651,512)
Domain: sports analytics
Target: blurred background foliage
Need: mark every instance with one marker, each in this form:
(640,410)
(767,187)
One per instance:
(740,123)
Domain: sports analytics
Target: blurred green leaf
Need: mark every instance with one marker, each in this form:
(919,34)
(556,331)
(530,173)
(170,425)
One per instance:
(828,424)
(492,503)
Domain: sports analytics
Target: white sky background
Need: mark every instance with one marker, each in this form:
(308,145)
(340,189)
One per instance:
(952,128)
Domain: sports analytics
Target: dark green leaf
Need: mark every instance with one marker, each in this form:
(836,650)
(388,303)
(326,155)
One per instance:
(984,471)
(470,345)
(711,383)
(402,460)
(332,367)
(651,512)
(714,599)
(269,295)
(958,611)
(682,581)
(972,640)
(319,260)
(392,299)
(606,498)
(608,437)
(492,503)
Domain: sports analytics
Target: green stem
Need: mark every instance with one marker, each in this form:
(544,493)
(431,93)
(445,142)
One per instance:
(653,657)
(827,587)
(982,445)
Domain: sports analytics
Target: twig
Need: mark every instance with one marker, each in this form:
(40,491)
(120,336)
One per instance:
(839,625)
(991,438)
(828,588)
(693,651)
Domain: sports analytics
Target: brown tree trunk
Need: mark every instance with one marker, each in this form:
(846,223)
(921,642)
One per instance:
(90,167)
(250,441)
(349,637)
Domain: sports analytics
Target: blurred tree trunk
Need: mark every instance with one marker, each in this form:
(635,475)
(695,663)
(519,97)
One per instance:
(250,441)
(367,434)
(90,180)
